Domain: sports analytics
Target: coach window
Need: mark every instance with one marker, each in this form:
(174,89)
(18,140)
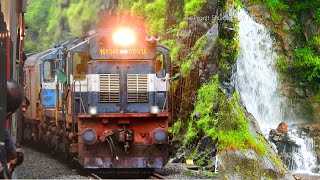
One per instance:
(160,65)
(49,70)
(80,65)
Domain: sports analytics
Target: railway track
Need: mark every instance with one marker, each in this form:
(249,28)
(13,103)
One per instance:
(156,176)
(93,176)
(153,176)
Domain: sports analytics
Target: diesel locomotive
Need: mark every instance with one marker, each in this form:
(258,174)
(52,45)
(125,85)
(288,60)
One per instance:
(102,99)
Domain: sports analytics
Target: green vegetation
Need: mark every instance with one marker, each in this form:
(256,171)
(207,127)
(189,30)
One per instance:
(275,6)
(188,173)
(317,97)
(308,62)
(205,124)
(185,67)
(282,65)
(195,55)
(229,52)
(37,21)
(56,21)
(174,49)
(80,15)
(316,16)
(229,44)
(233,127)
(276,160)
(192,7)
(154,12)
(237,168)
(231,124)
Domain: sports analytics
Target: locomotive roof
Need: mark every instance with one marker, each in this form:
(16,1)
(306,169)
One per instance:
(34,59)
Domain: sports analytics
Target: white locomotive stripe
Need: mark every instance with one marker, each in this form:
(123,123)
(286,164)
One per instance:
(83,86)
(94,82)
(151,81)
(154,83)
(157,84)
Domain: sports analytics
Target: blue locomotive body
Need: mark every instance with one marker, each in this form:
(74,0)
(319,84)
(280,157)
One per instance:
(102,99)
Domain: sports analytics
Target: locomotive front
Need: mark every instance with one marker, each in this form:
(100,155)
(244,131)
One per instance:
(120,81)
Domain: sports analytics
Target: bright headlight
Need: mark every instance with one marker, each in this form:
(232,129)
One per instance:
(124,37)
(154,109)
(93,110)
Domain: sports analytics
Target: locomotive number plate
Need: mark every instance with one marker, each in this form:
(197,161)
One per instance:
(141,51)
(109,51)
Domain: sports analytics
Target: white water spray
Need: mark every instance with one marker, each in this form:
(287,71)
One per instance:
(258,83)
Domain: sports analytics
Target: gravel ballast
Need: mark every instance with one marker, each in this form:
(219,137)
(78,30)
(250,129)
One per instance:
(38,165)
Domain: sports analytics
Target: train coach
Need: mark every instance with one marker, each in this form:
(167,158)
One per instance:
(12,33)
(102,99)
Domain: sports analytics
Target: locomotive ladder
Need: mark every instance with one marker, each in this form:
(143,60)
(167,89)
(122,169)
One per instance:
(78,97)
(81,105)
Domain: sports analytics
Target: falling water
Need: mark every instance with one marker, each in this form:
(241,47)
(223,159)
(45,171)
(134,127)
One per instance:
(258,83)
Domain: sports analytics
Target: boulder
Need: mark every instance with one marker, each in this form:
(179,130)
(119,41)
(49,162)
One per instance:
(180,156)
(315,170)
(249,165)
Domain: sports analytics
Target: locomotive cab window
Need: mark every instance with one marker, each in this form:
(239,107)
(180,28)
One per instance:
(49,70)
(160,65)
(80,65)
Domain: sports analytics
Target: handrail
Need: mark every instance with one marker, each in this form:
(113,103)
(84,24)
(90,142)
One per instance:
(81,105)
(74,90)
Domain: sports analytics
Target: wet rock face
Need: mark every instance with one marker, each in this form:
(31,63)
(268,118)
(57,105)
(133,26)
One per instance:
(284,145)
(249,165)
(180,156)
(206,152)
(297,147)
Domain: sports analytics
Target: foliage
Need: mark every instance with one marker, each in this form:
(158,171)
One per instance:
(317,97)
(199,46)
(229,51)
(192,132)
(195,55)
(308,62)
(188,173)
(316,41)
(185,67)
(138,8)
(154,12)
(192,7)
(277,5)
(316,16)
(207,95)
(233,127)
(297,28)
(175,128)
(282,64)
(174,49)
(276,160)
(80,14)
(45,17)
(37,21)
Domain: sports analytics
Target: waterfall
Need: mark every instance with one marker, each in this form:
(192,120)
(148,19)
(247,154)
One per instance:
(258,83)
